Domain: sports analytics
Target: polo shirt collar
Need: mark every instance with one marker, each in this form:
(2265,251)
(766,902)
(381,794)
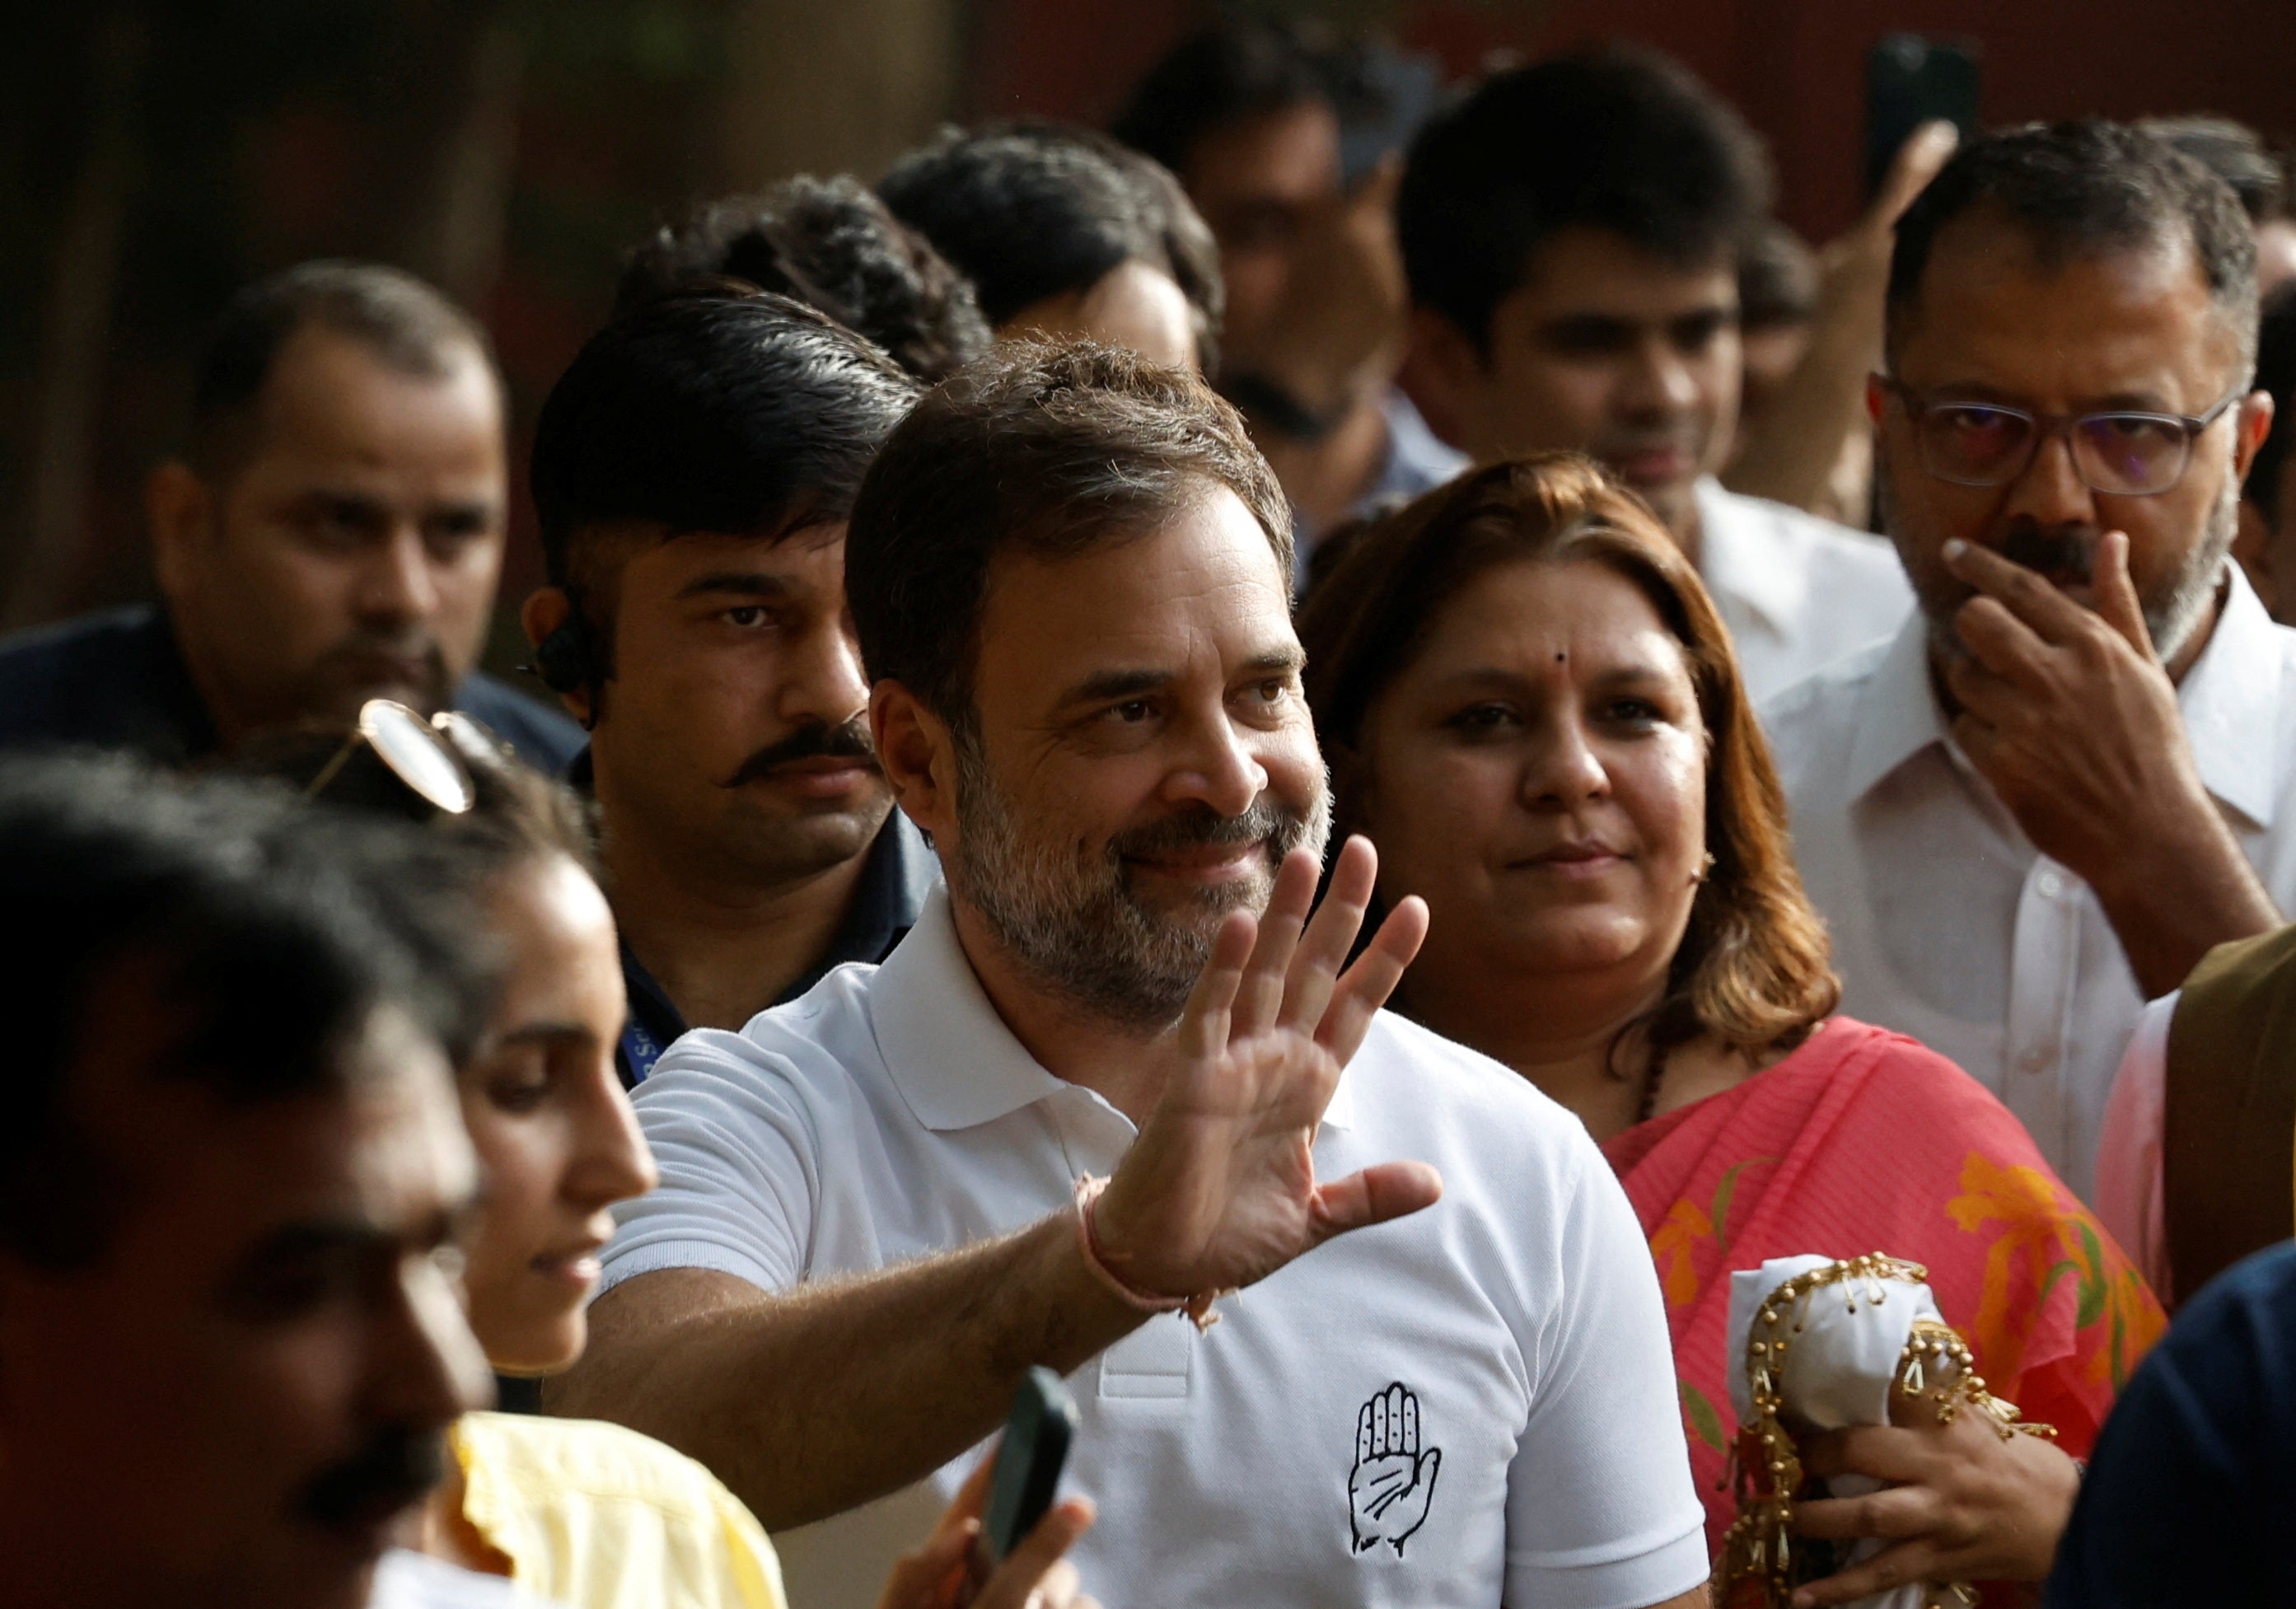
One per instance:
(2231,704)
(949,1053)
(1739,555)
(1897,711)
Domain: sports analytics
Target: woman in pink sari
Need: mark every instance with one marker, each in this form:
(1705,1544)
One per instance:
(1530,705)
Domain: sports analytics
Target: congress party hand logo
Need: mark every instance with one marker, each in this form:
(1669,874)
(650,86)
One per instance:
(1389,1491)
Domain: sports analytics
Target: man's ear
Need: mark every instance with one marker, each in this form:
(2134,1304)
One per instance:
(179,508)
(918,754)
(545,611)
(2255,417)
(1444,376)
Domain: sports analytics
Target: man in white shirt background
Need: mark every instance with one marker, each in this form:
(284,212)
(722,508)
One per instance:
(1572,233)
(1070,576)
(2066,780)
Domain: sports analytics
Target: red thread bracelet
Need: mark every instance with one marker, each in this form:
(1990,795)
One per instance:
(1197,1309)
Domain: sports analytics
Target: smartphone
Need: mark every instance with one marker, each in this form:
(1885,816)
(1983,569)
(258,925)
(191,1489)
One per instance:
(1910,81)
(1028,1459)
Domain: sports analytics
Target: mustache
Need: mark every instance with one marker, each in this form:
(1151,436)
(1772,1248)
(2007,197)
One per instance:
(379,645)
(1199,827)
(2055,551)
(395,1470)
(816,740)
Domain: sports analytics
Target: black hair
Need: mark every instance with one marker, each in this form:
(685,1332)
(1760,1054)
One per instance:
(1617,138)
(743,415)
(275,930)
(1220,77)
(2276,372)
(1046,449)
(2078,188)
(832,246)
(2236,155)
(1032,209)
(413,327)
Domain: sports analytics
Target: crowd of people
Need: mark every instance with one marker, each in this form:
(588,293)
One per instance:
(1329,762)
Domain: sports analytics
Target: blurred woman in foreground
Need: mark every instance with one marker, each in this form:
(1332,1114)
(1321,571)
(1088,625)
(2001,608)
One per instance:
(1530,705)
(581,1512)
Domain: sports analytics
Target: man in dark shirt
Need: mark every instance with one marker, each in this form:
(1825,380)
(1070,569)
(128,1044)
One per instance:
(694,470)
(2189,1497)
(236,1171)
(332,533)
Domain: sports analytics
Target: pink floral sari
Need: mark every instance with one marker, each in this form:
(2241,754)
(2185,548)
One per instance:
(1864,1141)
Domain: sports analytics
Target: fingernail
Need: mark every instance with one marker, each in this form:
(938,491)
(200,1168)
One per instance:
(1954,548)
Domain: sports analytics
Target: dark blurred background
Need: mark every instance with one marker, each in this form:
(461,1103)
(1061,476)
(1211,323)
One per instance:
(158,155)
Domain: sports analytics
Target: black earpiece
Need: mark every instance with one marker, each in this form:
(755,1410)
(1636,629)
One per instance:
(562,660)
(567,659)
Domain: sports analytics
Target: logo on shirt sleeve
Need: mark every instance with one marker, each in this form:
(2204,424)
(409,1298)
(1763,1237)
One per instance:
(1393,1480)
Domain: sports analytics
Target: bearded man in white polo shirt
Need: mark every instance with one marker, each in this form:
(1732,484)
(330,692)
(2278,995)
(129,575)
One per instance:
(1445,1377)
(2075,772)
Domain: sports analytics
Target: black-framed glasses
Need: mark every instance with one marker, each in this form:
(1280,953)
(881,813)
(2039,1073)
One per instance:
(420,753)
(2122,453)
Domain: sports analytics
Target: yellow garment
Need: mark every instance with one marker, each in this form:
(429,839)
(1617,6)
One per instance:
(599,1517)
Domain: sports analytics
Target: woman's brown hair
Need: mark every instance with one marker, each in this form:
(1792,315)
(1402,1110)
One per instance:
(1753,969)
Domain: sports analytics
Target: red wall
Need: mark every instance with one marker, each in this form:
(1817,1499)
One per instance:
(1796,68)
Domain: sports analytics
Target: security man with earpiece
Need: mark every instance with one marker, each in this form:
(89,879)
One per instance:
(692,471)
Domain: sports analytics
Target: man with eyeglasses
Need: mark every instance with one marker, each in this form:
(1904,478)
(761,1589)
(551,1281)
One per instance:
(2074,772)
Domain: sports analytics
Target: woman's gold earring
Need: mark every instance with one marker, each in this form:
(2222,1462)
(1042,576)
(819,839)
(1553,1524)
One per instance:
(1705,869)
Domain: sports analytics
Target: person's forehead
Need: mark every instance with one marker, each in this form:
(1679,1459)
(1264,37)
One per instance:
(1540,606)
(1585,269)
(383,1152)
(563,963)
(1285,154)
(1203,578)
(656,563)
(1993,311)
(334,398)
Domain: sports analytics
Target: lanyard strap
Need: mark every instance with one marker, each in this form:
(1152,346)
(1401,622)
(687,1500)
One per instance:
(640,1051)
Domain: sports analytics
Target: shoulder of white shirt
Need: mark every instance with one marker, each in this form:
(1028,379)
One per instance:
(406,1580)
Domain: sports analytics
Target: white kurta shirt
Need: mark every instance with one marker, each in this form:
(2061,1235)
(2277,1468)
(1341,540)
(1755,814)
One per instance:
(1513,1331)
(1797,592)
(1949,925)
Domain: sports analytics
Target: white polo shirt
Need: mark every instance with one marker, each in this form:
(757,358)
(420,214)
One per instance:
(1515,1327)
(1950,926)
(1797,592)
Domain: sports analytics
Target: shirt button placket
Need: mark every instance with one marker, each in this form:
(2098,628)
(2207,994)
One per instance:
(2044,974)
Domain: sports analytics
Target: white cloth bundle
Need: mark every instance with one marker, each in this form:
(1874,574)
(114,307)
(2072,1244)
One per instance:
(1848,1341)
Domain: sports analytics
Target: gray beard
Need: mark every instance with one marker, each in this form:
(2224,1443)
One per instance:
(1072,921)
(2172,618)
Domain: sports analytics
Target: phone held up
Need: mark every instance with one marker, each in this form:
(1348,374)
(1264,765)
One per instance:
(1910,81)
(1034,1445)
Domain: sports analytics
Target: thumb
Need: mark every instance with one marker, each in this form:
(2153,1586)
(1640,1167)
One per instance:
(1384,1191)
(1429,1462)
(1917,163)
(2116,594)
(1025,1568)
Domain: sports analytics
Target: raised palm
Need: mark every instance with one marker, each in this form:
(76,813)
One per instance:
(1220,1188)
